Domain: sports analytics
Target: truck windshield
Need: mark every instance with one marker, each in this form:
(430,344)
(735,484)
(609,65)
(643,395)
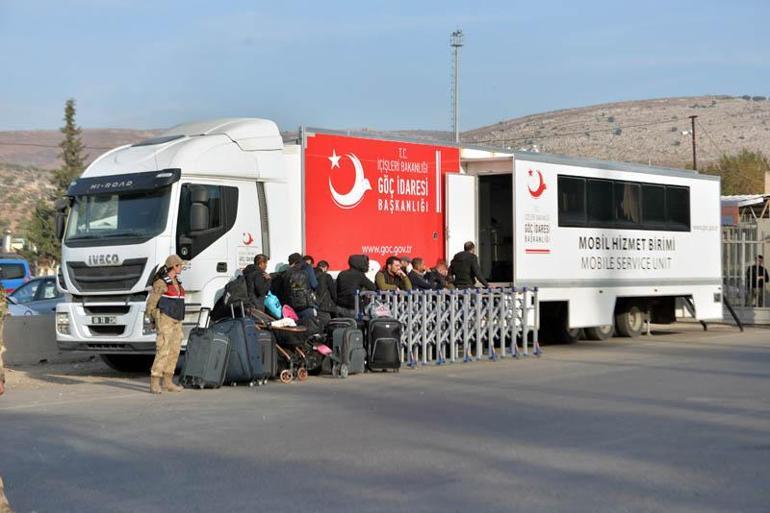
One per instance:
(128,214)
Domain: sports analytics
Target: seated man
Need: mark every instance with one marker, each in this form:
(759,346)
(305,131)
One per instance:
(392,278)
(439,275)
(419,276)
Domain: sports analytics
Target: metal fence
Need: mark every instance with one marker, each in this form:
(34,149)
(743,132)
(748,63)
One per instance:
(744,284)
(451,325)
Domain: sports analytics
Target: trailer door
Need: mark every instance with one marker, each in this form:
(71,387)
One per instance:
(460,217)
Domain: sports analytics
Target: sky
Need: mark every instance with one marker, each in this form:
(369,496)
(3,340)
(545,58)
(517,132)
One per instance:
(383,65)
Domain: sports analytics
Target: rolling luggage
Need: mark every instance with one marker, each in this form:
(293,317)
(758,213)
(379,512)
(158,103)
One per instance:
(347,343)
(252,351)
(383,342)
(206,357)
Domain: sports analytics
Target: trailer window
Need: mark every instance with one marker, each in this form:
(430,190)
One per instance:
(572,201)
(627,205)
(678,208)
(600,205)
(654,205)
(618,204)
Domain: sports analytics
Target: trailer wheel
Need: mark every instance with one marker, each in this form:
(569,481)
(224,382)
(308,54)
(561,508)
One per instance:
(599,332)
(630,322)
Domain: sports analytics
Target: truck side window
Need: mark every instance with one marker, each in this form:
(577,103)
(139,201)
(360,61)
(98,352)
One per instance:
(206,212)
(627,205)
(600,211)
(678,208)
(572,201)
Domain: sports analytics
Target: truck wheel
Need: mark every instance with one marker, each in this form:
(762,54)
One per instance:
(134,363)
(630,322)
(599,332)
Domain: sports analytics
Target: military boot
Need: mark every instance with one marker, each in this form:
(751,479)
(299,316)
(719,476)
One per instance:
(155,385)
(168,383)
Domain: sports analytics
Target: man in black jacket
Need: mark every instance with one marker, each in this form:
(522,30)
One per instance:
(352,280)
(465,268)
(419,277)
(326,293)
(257,281)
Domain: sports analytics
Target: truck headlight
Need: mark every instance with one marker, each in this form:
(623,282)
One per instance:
(148,326)
(62,323)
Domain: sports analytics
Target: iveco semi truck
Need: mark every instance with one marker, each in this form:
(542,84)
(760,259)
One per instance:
(607,244)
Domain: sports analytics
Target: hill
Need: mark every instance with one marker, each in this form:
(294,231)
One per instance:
(653,132)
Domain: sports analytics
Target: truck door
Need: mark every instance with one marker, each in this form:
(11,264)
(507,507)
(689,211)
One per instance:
(206,213)
(461,212)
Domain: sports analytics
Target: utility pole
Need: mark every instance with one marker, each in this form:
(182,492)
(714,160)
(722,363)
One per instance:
(694,159)
(456,41)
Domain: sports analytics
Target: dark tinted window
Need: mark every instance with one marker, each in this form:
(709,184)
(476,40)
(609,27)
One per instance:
(221,207)
(678,208)
(572,201)
(628,209)
(600,203)
(11,271)
(654,205)
(600,211)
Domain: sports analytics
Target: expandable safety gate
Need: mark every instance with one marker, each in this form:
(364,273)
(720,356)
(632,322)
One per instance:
(447,325)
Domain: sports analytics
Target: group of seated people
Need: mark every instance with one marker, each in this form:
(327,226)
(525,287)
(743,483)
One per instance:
(311,291)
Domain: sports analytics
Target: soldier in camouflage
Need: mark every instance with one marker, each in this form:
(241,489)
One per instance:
(165,306)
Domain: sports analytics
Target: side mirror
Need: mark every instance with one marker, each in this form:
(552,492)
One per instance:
(62,204)
(60,219)
(199,209)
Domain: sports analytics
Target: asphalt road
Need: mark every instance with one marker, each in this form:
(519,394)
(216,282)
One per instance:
(676,422)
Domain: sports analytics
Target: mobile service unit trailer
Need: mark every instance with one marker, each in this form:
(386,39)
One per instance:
(608,244)
(219,192)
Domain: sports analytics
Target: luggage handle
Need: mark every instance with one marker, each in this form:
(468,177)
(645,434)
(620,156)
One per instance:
(232,310)
(208,316)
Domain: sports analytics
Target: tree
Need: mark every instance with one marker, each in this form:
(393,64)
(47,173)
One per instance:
(742,173)
(40,227)
(71,152)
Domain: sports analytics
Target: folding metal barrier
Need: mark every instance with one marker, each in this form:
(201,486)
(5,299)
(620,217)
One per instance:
(451,325)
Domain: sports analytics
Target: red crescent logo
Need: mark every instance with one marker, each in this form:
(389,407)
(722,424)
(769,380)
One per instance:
(247,239)
(541,186)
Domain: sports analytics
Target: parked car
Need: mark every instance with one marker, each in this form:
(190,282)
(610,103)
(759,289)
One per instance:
(14,272)
(36,297)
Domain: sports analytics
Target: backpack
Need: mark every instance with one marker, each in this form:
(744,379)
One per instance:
(236,291)
(299,294)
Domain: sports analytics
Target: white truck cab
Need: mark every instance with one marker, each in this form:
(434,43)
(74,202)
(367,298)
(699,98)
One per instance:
(200,190)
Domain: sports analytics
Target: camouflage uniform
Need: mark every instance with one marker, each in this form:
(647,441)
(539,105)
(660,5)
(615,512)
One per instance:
(169,332)
(4,506)
(3,311)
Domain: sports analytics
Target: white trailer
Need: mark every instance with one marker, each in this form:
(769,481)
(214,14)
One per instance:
(219,192)
(608,244)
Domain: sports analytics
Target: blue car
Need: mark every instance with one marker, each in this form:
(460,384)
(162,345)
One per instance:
(14,272)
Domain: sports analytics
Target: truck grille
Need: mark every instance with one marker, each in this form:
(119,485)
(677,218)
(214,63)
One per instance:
(106,278)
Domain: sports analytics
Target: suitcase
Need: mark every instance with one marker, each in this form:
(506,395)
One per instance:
(348,349)
(383,342)
(252,351)
(206,357)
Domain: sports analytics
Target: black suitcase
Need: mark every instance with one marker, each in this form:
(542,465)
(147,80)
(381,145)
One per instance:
(383,342)
(252,351)
(206,357)
(348,349)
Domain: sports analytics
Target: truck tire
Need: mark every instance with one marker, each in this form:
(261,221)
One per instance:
(630,322)
(134,363)
(554,326)
(599,332)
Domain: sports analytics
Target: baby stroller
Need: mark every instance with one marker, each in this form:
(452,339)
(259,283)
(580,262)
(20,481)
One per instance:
(289,345)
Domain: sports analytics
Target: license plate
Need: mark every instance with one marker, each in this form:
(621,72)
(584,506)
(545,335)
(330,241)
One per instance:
(102,320)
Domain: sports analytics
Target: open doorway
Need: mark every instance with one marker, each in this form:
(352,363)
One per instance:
(496,227)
